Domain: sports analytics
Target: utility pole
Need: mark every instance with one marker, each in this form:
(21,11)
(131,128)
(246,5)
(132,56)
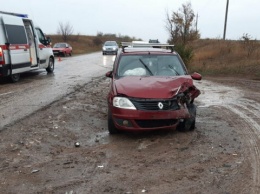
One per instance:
(197,23)
(225,25)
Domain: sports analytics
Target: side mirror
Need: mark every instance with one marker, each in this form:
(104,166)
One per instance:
(48,41)
(196,76)
(109,74)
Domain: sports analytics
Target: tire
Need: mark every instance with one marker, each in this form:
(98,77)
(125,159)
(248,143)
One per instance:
(188,124)
(50,67)
(110,124)
(15,77)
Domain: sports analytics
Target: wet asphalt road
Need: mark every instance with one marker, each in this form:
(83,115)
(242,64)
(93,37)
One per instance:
(37,89)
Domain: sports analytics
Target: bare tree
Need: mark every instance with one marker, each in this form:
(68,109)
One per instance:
(65,30)
(170,27)
(182,25)
(251,46)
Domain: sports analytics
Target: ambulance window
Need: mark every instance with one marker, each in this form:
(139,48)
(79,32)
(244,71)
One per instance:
(41,36)
(16,34)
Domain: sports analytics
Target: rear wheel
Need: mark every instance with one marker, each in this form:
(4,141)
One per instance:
(111,126)
(15,77)
(50,67)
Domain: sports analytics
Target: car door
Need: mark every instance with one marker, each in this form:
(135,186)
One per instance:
(44,49)
(32,43)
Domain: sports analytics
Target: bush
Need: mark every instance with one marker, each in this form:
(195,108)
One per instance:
(97,41)
(186,53)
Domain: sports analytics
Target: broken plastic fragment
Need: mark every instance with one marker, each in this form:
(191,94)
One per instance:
(34,171)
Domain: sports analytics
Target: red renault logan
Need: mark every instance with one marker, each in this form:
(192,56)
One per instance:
(150,90)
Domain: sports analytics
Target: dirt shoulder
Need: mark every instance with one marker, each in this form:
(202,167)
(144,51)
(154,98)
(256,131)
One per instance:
(38,153)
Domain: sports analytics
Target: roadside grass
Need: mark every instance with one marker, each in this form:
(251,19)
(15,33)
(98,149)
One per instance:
(80,44)
(212,57)
(83,44)
(226,58)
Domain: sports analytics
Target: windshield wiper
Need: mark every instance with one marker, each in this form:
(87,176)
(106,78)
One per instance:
(176,72)
(146,67)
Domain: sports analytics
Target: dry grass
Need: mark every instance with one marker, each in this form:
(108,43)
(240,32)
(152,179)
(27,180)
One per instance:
(226,58)
(82,44)
(211,57)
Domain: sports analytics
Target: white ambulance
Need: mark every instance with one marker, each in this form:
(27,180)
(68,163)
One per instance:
(23,46)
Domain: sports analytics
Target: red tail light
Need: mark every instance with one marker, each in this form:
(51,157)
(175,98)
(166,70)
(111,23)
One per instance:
(2,60)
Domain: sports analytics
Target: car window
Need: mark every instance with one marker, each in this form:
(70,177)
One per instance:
(59,45)
(150,65)
(16,34)
(40,35)
(110,43)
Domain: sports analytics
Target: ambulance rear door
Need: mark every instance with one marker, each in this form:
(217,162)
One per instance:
(17,44)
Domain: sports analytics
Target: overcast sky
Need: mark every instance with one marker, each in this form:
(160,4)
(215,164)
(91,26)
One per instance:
(143,19)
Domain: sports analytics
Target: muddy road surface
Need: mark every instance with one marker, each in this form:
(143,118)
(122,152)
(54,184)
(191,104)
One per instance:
(39,155)
(37,89)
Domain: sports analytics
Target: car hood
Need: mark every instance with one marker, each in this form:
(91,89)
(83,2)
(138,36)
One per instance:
(110,46)
(155,87)
(57,49)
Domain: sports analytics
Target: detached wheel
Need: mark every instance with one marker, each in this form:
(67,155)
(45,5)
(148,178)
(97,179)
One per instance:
(110,124)
(188,124)
(50,67)
(15,77)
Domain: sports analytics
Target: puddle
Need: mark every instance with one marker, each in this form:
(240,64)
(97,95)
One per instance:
(215,94)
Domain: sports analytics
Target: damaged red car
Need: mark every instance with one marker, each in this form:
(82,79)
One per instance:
(151,90)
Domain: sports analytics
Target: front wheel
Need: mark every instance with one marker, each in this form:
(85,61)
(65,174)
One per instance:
(189,124)
(50,67)
(110,123)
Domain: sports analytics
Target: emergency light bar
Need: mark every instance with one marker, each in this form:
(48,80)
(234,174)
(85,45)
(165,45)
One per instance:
(15,14)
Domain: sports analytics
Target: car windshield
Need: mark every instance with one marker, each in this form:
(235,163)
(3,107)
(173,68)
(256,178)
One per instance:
(59,45)
(150,65)
(110,43)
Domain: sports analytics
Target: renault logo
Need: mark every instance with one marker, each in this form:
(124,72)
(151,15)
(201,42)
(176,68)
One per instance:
(160,105)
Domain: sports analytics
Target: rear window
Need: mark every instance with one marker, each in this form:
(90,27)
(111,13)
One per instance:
(16,34)
(150,65)
(60,45)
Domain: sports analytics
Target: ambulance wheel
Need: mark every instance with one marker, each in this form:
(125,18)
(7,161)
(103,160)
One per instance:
(50,67)
(15,77)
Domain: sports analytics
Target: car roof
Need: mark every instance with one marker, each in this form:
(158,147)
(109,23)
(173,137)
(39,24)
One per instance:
(110,41)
